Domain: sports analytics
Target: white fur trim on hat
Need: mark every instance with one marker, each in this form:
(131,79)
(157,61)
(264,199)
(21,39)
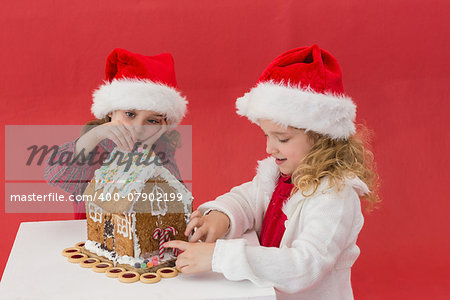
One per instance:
(300,108)
(139,94)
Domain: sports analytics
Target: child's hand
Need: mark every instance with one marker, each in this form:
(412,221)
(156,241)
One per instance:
(124,136)
(195,257)
(211,227)
(154,136)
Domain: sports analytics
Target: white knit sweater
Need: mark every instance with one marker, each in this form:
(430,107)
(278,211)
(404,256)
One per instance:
(318,247)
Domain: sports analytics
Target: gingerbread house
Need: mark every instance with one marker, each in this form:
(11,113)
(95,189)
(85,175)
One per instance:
(132,209)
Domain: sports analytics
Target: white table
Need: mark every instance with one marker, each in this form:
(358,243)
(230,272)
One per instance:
(36,269)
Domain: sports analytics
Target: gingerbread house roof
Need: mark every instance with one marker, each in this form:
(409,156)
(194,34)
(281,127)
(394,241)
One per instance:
(146,188)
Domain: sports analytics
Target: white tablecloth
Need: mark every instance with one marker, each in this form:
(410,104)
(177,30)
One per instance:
(36,269)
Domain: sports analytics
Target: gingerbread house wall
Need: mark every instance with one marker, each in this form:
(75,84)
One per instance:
(146,225)
(95,223)
(124,234)
(101,223)
(113,231)
(174,215)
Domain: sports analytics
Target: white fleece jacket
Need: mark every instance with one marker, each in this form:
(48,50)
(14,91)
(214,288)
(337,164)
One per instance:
(318,247)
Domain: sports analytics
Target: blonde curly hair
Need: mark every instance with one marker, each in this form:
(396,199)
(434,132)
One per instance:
(337,158)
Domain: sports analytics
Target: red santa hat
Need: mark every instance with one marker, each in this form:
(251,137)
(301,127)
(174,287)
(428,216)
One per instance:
(302,88)
(135,81)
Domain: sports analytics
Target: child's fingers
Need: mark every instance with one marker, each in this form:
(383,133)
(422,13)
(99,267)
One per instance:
(117,139)
(198,234)
(155,136)
(195,214)
(182,245)
(185,269)
(120,137)
(181,264)
(126,136)
(192,224)
(133,133)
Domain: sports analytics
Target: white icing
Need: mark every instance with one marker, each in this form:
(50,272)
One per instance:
(124,225)
(137,246)
(95,248)
(160,210)
(95,212)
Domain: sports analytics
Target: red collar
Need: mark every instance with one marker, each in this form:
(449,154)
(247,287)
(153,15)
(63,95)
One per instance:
(285,178)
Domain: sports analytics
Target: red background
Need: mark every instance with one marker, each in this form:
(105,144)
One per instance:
(394,56)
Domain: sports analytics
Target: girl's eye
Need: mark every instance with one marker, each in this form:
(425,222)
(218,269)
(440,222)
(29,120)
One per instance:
(284,141)
(129,114)
(153,121)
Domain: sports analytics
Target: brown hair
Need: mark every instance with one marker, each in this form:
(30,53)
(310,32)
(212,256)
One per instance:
(93,123)
(338,158)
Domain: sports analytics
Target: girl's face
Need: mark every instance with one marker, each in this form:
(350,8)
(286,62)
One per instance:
(288,145)
(141,120)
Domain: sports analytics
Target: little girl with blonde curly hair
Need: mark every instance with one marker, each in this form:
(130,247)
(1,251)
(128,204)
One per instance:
(304,202)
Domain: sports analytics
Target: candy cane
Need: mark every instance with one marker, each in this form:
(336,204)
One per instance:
(158,236)
(172,230)
(163,236)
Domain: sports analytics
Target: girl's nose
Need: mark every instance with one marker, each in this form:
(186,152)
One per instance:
(270,149)
(138,123)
